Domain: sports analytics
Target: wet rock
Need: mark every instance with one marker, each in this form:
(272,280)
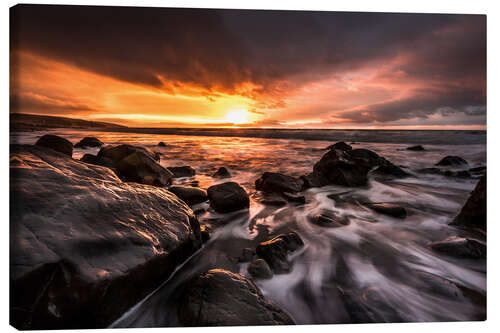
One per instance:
(116,153)
(85,246)
(416,148)
(273,199)
(460,247)
(478,170)
(222,172)
(188,194)
(447,173)
(140,168)
(247,255)
(473,213)
(89,141)
(389,209)
(222,298)
(182,171)
(279,183)
(161,144)
(205,233)
(346,168)
(276,250)
(228,197)
(259,269)
(89,158)
(56,143)
(329,221)
(452,161)
(293,197)
(340,146)
(390,170)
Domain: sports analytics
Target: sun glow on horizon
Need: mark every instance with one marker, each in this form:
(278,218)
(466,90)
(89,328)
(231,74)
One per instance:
(237,116)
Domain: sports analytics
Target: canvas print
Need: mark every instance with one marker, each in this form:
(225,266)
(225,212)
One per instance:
(223,167)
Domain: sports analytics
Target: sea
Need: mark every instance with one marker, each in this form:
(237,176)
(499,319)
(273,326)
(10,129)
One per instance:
(376,269)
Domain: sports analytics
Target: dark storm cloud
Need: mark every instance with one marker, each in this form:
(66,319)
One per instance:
(219,49)
(38,103)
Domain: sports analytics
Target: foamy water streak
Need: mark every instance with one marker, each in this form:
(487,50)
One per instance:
(375,269)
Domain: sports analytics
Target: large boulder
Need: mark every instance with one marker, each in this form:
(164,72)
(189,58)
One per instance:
(452,161)
(340,146)
(188,194)
(119,152)
(228,197)
(221,298)
(140,168)
(85,246)
(182,171)
(89,141)
(473,213)
(133,164)
(56,143)
(275,251)
(346,168)
(279,183)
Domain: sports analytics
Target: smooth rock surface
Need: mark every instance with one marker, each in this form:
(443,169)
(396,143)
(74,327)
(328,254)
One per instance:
(222,298)
(190,195)
(85,246)
(276,250)
(89,141)
(228,197)
(460,247)
(389,209)
(56,143)
(473,213)
(279,183)
(452,161)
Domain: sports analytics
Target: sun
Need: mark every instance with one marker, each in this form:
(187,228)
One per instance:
(237,117)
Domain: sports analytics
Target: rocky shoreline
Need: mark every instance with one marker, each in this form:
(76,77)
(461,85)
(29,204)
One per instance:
(92,237)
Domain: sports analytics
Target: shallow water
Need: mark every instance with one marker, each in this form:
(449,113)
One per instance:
(376,269)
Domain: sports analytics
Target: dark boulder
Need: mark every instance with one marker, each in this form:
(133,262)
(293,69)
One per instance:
(222,172)
(247,255)
(478,170)
(85,246)
(161,144)
(276,250)
(56,143)
(473,213)
(279,183)
(140,168)
(447,173)
(389,209)
(89,141)
(182,171)
(89,158)
(452,161)
(228,197)
(119,152)
(390,170)
(340,146)
(205,233)
(221,298)
(294,197)
(329,221)
(188,194)
(460,247)
(259,269)
(416,148)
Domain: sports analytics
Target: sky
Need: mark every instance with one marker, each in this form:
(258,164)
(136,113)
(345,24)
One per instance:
(177,67)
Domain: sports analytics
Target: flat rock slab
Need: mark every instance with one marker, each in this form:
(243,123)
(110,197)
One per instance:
(86,246)
(221,298)
(389,209)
